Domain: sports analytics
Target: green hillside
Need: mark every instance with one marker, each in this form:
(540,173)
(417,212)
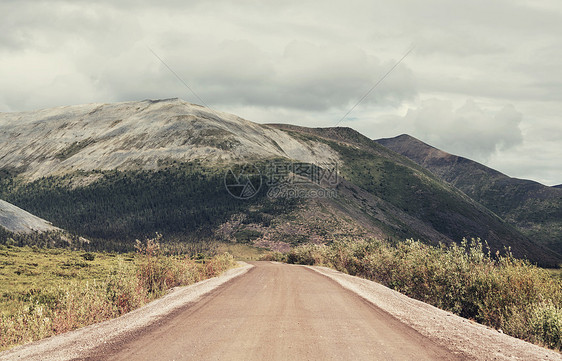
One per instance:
(185,202)
(535,209)
(421,194)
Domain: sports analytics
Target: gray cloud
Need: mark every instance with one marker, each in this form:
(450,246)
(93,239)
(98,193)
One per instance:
(468,130)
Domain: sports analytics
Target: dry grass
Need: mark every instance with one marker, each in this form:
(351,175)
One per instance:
(499,291)
(242,252)
(50,300)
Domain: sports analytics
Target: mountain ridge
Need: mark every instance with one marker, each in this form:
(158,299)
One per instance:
(116,172)
(534,208)
(356,139)
(126,135)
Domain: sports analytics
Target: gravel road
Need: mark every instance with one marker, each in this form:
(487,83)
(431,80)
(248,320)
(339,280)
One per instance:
(284,312)
(277,312)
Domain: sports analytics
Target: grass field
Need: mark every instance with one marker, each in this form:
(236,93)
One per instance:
(556,273)
(44,292)
(242,252)
(26,273)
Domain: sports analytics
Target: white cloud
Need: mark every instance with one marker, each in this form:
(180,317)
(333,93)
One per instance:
(469,130)
(530,159)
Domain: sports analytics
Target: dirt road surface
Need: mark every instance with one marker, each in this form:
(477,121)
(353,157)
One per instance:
(277,312)
(270,311)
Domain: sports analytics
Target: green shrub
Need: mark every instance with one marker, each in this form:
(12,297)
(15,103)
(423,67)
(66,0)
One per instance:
(247,235)
(274,256)
(308,254)
(89,256)
(546,324)
(497,290)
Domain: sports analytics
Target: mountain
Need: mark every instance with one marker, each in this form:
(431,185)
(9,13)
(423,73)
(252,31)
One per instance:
(117,172)
(535,209)
(137,135)
(17,220)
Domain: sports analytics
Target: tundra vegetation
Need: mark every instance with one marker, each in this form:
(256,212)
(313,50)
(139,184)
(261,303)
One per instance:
(46,291)
(496,290)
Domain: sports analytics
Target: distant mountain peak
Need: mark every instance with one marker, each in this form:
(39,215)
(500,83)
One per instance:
(535,208)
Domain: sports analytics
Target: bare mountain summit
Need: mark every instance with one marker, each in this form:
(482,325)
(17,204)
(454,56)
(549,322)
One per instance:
(139,134)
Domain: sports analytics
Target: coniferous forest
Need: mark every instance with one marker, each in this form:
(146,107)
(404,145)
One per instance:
(183,202)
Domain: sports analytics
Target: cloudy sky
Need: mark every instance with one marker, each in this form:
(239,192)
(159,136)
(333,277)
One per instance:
(484,79)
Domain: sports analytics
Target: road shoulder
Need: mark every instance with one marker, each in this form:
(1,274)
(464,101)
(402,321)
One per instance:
(462,336)
(74,344)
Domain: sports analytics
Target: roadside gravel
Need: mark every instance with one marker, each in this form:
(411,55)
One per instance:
(73,344)
(469,338)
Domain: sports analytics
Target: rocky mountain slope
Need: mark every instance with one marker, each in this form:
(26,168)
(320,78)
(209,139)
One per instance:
(116,172)
(535,209)
(138,134)
(17,220)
